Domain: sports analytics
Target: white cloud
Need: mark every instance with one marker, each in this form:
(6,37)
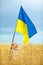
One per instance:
(32,3)
(37,39)
(8,38)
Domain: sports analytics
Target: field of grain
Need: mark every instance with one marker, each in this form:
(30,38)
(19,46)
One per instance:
(26,55)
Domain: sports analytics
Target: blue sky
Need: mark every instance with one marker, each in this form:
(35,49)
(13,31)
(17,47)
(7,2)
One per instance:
(9,10)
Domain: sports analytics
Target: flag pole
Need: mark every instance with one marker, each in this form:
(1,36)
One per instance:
(13,38)
(12,42)
(14,34)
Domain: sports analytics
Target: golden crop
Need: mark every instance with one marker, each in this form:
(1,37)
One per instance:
(29,54)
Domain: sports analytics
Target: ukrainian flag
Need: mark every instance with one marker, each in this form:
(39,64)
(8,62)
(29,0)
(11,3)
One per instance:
(25,26)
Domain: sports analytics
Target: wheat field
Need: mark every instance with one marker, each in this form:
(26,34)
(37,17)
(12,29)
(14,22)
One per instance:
(29,54)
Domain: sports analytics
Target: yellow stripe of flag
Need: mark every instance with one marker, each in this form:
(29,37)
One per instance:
(22,28)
